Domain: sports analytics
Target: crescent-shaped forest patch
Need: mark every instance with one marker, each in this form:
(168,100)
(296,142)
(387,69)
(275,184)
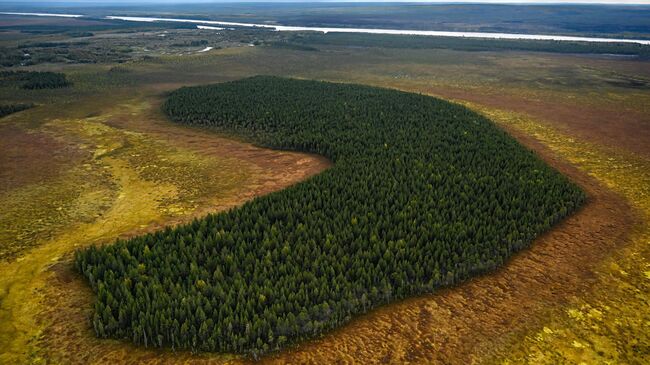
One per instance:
(423,194)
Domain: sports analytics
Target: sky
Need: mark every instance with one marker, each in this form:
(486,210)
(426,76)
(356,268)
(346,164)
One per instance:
(621,2)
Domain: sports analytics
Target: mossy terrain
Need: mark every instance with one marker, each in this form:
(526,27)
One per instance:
(123,181)
(96,181)
(607,324)
(576,105)
(95,142)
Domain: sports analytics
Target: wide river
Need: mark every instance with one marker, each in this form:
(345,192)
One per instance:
(286,28)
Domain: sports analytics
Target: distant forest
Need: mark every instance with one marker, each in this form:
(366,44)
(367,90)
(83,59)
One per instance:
(468,44)
(570,19)
(423,194)
(32,80)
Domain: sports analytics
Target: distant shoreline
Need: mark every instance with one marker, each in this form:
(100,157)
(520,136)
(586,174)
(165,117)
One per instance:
(43,14)
(285,28)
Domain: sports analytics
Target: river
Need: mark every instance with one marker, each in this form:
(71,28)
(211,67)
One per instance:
(435,33)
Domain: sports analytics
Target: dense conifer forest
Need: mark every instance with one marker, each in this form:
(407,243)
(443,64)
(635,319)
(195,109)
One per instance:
(423,194)
(13,108)
(35,80)
(469,44)
(44,80)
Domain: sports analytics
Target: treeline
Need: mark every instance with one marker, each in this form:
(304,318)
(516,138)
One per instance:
(11,56)
(291,46)
(36,80)
(423,193)
(54,44)
(7,109)
(44,80)
(192,43)
(469,44)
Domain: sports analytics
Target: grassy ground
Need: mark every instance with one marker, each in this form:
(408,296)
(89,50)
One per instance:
(104,163)
(607,323)
(122,170)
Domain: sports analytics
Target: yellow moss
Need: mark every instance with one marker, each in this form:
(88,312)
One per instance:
(132,181)
(577,344)
(612,320)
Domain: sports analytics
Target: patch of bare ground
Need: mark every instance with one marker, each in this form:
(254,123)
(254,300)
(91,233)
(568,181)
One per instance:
(30,157)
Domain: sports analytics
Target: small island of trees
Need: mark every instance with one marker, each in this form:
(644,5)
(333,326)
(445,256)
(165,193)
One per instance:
(34,80)
(423,194)
(6,109)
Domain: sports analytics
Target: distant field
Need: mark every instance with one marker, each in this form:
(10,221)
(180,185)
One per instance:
(28,41)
